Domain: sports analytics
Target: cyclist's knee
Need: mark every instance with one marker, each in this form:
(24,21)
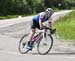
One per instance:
(33,30)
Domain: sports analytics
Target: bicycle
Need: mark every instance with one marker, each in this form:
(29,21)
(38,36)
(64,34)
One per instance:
(43,39)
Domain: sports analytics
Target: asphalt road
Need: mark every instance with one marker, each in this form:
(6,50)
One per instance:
(11,33)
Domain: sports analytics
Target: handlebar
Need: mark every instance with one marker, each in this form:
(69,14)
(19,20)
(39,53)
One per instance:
(52,31)
(45,27)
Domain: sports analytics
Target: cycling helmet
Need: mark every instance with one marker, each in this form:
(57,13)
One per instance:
(49,11)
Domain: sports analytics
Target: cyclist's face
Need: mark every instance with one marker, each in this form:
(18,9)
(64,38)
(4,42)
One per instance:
(48,14)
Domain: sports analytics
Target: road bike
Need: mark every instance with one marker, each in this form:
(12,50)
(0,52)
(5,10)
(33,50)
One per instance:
(43,41)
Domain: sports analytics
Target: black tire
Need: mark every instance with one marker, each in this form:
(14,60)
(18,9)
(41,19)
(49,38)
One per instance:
(24,48)
(49,48)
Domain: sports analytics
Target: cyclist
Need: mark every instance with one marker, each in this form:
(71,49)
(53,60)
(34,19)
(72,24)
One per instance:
(37,23)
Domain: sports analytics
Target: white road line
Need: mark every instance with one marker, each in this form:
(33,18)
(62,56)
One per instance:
(71,57)
(2,51)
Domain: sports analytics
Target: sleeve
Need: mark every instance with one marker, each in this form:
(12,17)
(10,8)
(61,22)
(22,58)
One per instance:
(50,20)
(41,16)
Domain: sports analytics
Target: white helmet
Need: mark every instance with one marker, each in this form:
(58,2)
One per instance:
(49,11)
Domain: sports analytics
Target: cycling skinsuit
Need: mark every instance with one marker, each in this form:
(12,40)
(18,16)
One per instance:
(35,23)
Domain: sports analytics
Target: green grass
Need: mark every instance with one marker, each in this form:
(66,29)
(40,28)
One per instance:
(66,26)
(8,17)
(14,16)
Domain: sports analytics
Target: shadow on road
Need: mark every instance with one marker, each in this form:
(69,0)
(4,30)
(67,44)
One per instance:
(55,53)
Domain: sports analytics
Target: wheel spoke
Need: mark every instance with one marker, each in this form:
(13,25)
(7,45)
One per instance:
(23,45)
(45,45)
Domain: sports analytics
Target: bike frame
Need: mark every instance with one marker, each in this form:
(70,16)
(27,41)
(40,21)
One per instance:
(37,37)
(41,34)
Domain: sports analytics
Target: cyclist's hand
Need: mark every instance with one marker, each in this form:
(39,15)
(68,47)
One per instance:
(53,31)
(41,27)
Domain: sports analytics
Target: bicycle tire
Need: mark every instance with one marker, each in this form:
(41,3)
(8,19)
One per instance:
(50,47)
(19,48)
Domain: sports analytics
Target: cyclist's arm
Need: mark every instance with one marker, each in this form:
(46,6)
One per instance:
(50,23)
(40,21)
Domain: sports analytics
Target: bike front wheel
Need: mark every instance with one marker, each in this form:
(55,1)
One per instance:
(45,45)
(23,45)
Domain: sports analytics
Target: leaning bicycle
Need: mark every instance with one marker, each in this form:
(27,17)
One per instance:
(43,39)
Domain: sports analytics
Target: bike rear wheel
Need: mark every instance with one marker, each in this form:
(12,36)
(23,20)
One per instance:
(45,45)
(23,45)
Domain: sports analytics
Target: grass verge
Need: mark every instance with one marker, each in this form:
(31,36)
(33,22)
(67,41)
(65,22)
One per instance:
(13,16)
(66,26)
(8,17)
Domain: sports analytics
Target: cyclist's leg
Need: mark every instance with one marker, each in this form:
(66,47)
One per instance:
(33,30)
(31,34)
(30,42)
